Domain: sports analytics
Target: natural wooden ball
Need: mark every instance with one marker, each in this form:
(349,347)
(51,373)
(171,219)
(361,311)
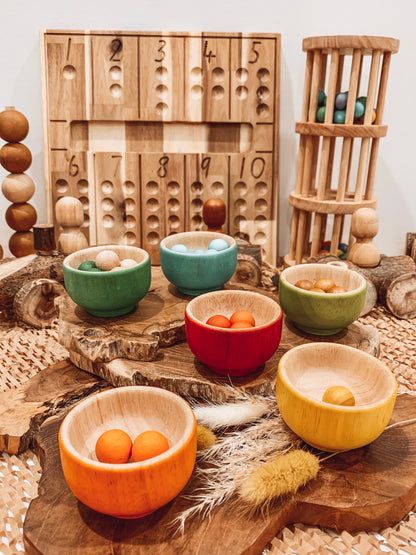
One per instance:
(21,243)
(107,260)
(21,217)
(14,126)
(18,187)
(15,157)
(69,212)
(364,223)
(339,395)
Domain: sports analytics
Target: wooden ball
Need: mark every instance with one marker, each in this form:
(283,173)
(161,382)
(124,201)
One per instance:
(364,223)
(214,213)
(14,126)
(18,187)
(15,157)
(69,212)
(21,243)
(1,252)
(339,395)
(21,217)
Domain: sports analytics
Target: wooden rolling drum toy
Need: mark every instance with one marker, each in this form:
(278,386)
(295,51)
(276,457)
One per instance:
(354,118)
(17,187)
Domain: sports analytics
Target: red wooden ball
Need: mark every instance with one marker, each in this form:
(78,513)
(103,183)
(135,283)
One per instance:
(14,126)
(21,216)
(15,157)
(21,243)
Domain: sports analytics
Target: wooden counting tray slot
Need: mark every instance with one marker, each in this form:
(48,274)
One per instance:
(143,128)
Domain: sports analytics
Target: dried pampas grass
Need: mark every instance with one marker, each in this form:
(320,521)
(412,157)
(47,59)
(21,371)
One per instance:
(222,469)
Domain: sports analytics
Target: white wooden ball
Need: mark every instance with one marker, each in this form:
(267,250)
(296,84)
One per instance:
(128,263)
(107,260)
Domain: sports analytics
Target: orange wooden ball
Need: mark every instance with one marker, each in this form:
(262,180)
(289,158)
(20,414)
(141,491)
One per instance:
(18,187)
(21,243)
(15,157)
(14,126)
(21,216)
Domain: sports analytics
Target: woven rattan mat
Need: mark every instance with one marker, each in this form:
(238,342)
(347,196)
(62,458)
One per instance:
(25,351)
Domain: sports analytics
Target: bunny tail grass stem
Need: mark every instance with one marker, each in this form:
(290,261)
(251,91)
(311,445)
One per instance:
(279,477)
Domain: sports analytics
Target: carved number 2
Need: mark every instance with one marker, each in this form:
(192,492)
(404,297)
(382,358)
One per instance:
(116,47)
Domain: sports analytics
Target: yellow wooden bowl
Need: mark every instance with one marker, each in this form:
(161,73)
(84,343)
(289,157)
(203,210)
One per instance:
(132,489)
(306,372)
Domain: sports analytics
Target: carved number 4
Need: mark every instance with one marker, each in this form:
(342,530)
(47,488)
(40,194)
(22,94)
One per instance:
(207,54)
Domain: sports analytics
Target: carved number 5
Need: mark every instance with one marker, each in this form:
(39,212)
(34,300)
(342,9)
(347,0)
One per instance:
(254,51)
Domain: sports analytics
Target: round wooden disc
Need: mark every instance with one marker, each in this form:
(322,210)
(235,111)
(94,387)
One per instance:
(14,126)
(15,157)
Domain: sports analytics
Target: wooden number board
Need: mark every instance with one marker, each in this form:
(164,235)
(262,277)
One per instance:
(143,128)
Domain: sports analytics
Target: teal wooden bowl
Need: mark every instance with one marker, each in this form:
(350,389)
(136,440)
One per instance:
(111,293)
(196,273)
(321,313)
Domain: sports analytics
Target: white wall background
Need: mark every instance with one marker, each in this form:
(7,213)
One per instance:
(395,185)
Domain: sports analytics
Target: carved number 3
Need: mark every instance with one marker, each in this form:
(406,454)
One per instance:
(162,52)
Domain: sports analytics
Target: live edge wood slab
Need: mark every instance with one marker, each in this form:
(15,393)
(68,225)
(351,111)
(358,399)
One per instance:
(365,489)
(148,346)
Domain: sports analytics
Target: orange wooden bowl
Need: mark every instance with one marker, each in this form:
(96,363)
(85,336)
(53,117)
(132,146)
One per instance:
(133,489)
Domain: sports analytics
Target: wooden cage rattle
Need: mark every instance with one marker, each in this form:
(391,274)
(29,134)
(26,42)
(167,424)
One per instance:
(323,197)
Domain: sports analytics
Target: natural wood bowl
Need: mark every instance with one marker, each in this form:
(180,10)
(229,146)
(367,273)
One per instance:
(307,371)
(133,489)
(234,352)
(321,313)
(195,274)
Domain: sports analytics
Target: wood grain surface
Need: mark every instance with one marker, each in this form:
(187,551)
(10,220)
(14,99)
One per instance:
(365,489)
(50,392)
(175,367)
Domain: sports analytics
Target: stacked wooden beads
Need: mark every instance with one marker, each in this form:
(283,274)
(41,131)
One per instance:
(17,187)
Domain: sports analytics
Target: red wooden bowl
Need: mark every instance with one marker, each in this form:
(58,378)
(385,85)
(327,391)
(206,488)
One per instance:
(234,352)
